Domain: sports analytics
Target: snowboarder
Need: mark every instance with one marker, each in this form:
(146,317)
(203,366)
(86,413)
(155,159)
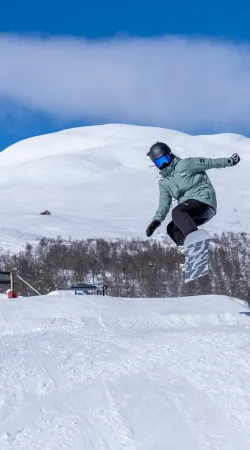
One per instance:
(186,181)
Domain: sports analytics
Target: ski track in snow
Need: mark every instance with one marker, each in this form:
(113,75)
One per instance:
(103,383)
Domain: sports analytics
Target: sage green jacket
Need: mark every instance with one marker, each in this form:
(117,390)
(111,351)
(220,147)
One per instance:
(186,179)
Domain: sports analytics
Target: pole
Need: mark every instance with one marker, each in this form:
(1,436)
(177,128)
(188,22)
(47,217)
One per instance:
(11,281)
(20,278)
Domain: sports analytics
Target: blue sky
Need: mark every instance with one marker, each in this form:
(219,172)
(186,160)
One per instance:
(108,74)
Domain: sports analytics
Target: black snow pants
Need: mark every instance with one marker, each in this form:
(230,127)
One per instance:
(186,217)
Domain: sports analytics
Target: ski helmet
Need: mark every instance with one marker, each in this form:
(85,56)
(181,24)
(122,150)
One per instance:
(161,154)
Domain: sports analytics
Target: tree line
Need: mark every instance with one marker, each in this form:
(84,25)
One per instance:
(131,268)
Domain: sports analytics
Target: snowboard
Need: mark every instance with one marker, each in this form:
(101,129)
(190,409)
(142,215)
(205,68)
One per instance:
(196,246)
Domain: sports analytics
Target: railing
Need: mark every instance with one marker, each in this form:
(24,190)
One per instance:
(87,288)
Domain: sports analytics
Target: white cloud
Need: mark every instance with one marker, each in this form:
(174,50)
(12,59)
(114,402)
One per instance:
(160,81)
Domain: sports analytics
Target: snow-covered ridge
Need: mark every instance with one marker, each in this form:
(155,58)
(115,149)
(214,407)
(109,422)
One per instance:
(97,182)
(52,311)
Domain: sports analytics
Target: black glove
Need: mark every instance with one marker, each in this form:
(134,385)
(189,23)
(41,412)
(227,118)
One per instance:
(235,159)
(152,227)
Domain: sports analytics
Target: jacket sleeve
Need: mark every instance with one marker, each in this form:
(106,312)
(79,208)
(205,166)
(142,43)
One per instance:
(165,202)
(202,164)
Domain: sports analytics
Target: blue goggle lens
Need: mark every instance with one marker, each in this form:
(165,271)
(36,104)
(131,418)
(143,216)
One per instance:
(163,159)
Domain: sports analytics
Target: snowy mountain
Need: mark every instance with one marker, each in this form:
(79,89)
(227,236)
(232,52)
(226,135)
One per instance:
(88,372)
(97,182)
(94,373)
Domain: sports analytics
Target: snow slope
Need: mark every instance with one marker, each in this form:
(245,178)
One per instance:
(94,373)
(97,182)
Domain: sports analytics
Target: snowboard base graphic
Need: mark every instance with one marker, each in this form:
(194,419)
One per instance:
(196,246)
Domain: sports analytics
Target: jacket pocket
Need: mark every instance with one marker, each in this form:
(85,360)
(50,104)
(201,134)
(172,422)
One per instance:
(207,194)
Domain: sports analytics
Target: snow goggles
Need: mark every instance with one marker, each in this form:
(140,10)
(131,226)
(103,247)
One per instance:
(163,159)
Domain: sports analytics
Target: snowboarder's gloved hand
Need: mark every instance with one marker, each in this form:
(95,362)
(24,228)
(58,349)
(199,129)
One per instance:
(235,159)
(152,227)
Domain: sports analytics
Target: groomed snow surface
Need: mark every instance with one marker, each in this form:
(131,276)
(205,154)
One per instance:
(96,181)
(94,373)
(102,373)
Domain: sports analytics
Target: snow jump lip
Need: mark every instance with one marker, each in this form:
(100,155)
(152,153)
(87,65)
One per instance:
(155,322)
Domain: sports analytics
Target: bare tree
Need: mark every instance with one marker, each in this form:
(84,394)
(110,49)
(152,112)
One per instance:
(132,268)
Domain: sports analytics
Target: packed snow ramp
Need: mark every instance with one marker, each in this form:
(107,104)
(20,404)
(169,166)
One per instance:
(95,373)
